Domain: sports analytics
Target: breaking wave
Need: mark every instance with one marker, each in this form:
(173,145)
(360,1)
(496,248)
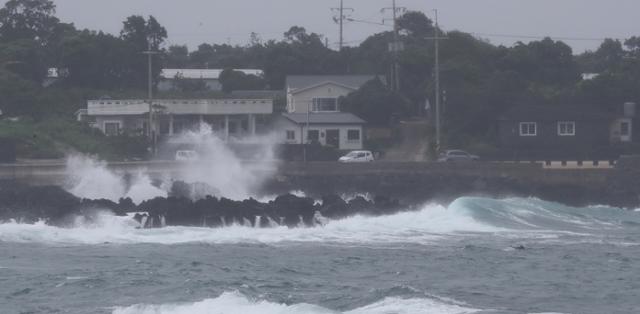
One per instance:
(235,302)
(465,216)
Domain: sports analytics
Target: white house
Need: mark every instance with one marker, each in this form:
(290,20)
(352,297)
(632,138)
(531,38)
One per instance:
(230,117)
(313,112)
(320,93)
(211,77)
(338,129)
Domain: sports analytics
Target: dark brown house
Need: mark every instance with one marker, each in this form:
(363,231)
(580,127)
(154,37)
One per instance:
(548,132)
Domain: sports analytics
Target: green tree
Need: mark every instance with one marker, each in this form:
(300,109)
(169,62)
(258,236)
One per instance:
(374,103)
(140,35)
(28,19)
(235,80)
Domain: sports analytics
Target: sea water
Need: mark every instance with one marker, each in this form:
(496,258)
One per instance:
(475,255)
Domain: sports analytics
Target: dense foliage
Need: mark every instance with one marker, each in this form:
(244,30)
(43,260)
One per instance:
(479,80)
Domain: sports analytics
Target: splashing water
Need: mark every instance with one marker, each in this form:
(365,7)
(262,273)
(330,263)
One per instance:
(222,169)
(219,169)
(235,302)
(91,179)
(431,224)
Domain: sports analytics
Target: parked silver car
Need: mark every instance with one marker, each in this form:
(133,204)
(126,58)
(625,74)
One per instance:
(456,155)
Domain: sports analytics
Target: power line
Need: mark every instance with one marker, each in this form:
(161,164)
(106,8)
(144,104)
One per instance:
(396,46)
(543,37)
(340,20)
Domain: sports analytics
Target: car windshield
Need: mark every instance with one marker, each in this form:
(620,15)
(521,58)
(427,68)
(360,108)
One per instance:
(352,154)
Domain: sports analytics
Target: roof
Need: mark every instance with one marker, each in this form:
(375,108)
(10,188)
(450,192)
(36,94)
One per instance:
(296,82)
(211,74)
(324,118)
(257,93)
(554,113)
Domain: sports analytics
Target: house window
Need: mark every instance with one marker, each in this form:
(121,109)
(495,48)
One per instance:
(313,136)
(624,128)
(111,128)
(353,135)
(566,128)
(291,135)
(528,129)
(325,104)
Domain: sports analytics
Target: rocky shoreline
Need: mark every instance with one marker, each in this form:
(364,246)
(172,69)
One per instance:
(58,207)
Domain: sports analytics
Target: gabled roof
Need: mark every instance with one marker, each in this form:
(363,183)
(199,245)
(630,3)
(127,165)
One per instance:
(296,83)
(554,113)
(210,74)
(324,118)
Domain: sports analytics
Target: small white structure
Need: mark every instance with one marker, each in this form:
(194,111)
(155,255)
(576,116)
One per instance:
(210,77)
(231,117)
(313,113)
(338,129)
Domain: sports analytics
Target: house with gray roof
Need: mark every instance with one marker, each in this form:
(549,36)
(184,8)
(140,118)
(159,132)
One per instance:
(313,113)
(320,93)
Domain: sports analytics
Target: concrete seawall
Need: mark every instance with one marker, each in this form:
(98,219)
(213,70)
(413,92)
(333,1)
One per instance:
(411,180)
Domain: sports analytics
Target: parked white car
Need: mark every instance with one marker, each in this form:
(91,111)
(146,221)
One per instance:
(357,156)
(187,155)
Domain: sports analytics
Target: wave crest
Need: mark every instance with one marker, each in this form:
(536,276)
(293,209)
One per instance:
(235,302)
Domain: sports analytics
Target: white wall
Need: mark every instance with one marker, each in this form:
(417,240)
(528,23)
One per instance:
(283,124)
(301,102)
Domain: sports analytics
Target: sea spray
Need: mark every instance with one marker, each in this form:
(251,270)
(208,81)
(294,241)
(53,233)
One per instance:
(219,172)
(235,302)
(91,179)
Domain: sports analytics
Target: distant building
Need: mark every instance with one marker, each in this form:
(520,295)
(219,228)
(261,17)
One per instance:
(54,75)
(230,117)
(313,113)
(341,130)
(566,132)
(210,77)
(320,93)
(589,76)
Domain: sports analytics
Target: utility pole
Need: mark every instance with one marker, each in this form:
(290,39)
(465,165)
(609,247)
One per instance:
(151,127)
(395,47)
(437,46)
(340,20)
(436,37)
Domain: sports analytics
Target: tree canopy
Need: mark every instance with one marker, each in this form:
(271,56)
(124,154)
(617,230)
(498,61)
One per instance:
(481,80)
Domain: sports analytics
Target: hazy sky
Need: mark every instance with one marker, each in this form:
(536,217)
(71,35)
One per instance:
(193,22)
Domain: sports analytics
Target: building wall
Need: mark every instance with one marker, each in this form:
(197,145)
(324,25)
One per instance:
(301,102)
(589,135)
(282,125)
(127,124)
(166,85)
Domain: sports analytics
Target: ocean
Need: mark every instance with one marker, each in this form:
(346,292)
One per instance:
(475,255)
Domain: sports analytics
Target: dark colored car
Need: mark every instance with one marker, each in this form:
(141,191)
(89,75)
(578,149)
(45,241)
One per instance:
(456,155)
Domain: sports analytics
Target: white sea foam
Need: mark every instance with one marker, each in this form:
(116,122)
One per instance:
(431,224)
(426,226)
(235,302)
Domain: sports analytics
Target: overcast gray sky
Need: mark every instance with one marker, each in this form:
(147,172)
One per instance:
(193,22)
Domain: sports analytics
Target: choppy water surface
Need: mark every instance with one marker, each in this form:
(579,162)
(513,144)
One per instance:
(455,259)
